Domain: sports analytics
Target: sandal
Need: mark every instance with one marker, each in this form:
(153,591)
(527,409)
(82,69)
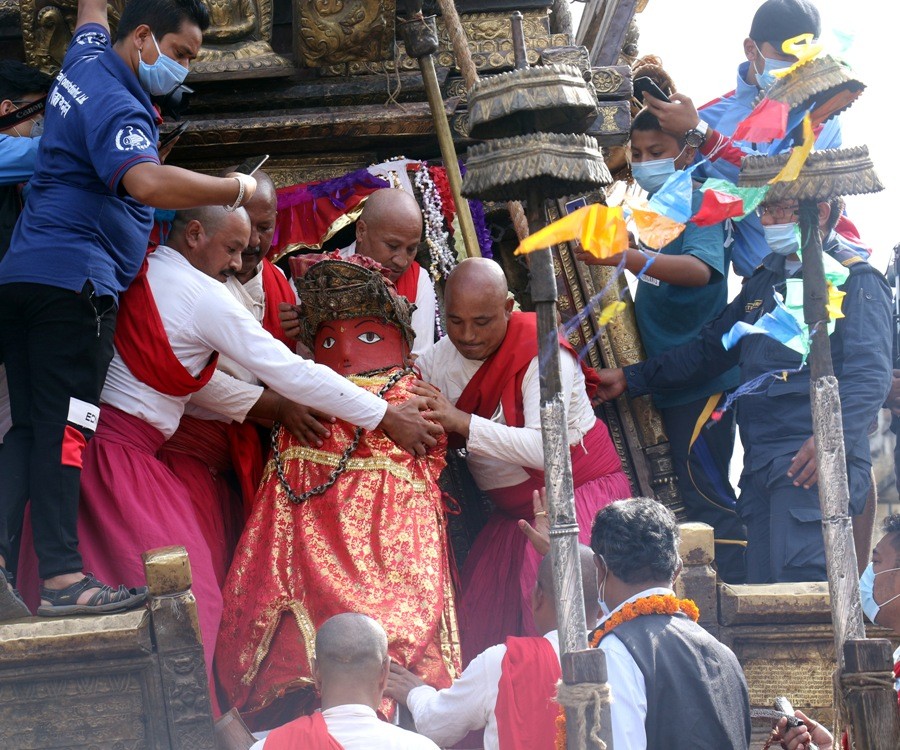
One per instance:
(64,602)
(11,605)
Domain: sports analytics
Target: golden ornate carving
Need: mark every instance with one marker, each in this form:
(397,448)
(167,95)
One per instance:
(332,32)
(489,41)
(47,27)
(236,45)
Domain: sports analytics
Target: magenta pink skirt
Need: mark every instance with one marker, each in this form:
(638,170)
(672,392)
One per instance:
(198,455)
(131,503)
(501,568)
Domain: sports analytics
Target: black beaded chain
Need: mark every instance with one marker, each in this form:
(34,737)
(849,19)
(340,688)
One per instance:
(345,456)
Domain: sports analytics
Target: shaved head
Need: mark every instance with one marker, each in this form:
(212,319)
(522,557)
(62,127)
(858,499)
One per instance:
(211,239)
(263,211)
(588,580)
(478,307)
(391,205)
(211,217)
(389,230)
(351,646)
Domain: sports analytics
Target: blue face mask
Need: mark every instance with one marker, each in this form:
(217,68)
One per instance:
(652,175)
(766,77)
(783,239)
(867,588)
(163,77)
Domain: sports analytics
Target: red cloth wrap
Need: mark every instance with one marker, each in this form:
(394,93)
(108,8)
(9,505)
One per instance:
(526,712)
(307,732)
(144,346)
(408,283)
(501,568)
(499,379)
(374,543)
(276,289)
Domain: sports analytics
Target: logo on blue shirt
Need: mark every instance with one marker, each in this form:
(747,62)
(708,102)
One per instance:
(131,138)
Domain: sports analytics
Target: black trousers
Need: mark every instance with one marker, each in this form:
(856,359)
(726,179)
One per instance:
(706,491)
(57,345)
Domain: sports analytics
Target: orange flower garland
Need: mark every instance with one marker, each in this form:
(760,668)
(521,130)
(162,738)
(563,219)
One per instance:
(658,604)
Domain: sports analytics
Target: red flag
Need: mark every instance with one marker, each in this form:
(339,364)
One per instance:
(764,124)
(716,207)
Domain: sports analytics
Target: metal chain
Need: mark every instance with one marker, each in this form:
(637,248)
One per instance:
(345,456)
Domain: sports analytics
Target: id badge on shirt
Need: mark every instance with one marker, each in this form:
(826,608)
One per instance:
(649,280)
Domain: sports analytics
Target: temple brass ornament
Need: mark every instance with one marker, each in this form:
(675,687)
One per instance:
(47,28)
(335,32)
(569,55)
(551,98)
(613,124)
(825,85)
(489,40)
(237,43)
(612,82)
(506,168)
(826,174)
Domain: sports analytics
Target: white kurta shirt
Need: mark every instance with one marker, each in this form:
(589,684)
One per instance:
(200,316)
(357,727)
(626,682)
(423,316)
(447,715)
(496,452)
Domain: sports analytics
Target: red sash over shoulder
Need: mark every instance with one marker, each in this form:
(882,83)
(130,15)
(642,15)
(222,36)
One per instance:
(408,283)
(499,379)
(307,732)
(142,342)
(277,289)
(526,712)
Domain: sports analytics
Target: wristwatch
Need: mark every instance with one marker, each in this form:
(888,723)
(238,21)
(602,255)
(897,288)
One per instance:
(696,136)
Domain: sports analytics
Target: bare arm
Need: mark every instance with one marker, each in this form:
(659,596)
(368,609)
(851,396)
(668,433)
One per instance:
(92,11)
(679,270)
(167,187)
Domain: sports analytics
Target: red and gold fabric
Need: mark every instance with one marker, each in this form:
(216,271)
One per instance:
(374,543)
(307,732)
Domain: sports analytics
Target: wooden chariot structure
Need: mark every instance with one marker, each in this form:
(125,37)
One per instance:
(327,87)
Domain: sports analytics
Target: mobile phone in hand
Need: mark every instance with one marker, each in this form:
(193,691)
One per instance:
(645,85)
(249,166)
(173,134)
(784,705)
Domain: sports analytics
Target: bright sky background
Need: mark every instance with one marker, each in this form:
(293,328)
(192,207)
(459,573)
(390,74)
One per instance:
(700,43)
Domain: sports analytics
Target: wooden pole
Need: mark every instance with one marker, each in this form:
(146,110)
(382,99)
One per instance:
(867,683)
(463,56)
(421,42)
(558,482)
(834,495)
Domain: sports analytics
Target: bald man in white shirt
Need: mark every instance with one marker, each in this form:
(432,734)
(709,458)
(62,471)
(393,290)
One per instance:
(351,668)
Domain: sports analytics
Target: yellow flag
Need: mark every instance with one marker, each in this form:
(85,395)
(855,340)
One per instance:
(835,302)
(799,155)
(600,229)
(609,312)
(804,47)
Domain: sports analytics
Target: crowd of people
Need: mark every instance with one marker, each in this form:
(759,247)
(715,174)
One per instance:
(145,364)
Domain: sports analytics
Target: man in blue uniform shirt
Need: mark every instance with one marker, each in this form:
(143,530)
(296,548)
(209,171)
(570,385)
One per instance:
(710,130)
(779,500)
(79,242)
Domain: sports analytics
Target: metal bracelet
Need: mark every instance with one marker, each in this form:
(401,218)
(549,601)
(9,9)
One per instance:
(237,203)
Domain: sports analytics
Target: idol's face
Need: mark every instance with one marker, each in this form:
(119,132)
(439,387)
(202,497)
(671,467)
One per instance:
(359,345)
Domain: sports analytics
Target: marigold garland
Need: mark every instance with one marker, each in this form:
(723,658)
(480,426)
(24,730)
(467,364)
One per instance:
(657,604)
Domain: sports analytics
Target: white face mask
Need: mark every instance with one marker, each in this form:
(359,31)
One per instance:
(867,591)
(601,587)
